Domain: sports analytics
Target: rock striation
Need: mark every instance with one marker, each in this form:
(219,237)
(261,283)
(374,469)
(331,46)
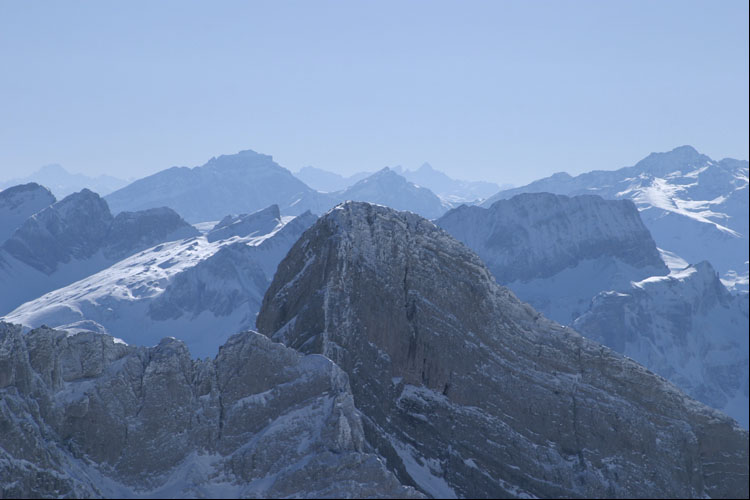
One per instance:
(76,237)
(557,252)
(687,327)
(467,392)
(85,416)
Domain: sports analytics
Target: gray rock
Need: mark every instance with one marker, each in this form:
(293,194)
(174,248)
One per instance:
(260,222)
(687,328)
(537,235)
(131,232)
(20,202)
(85,416)
(230,184)
(468,392)
(74,238)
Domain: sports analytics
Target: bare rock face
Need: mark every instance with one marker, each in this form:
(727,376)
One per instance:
(86,416)
(687,328)
(468,392)
(20,202)
(537,235)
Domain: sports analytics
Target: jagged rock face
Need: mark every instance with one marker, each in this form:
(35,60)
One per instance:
(537,235)
(260,222)
(468,392)
(134,231)
(240,183)
(73,228)
(695,207)
(687,328)
(74,238)
(386,187)
(85,416)
(218,284)
(18,203)
(199,291)
(556,252)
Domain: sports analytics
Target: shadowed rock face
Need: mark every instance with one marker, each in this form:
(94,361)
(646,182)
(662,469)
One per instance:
(537,235)
(17,203)
(468,392)
(86,416)
(687,328)
(73,228)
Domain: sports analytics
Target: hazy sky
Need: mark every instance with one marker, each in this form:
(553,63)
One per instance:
(503,91)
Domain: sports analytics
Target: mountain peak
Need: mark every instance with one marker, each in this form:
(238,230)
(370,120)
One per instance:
(681,158)
(440,357)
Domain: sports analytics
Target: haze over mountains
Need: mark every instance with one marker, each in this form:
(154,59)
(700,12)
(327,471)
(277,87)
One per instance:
(695,207)
(592,264)
(529,408)
(448,189)
(62,183)
(434,378)
(74,238)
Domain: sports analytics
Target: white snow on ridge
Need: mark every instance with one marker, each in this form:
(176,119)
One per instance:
(116,300)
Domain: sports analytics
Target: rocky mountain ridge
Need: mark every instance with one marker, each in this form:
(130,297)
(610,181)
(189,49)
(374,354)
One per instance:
(468,392)
(87,416)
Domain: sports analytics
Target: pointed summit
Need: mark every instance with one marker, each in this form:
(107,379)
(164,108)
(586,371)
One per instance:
(468,392)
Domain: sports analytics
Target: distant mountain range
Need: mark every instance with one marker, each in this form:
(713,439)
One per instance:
(695,207)
(62,183)
(448,189)
(407,368)
(184,286)
(249,181)
(74,238)
(328,182)
(592,264)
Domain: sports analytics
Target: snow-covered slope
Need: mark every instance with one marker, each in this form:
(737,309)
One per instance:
(199,289)
(86,416)
(62,183)
(686,327)
(557,252)
(468,392)
(386,187)
(447,188)
(695,207)
(18,203)
(230,184)
(74,238)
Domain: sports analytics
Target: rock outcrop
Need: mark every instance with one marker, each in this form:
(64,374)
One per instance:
(74,238)
(468,392)
(87,416)
(557,252)
(686,327)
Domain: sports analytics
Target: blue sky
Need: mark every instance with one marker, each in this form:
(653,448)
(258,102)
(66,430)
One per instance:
(503,91)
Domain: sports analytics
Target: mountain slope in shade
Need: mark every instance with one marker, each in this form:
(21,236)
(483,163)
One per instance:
(468,392)
(62,183)
(447,188)
(695,207)
(18,203)
(686,327)
(84,415)
(73,238)
(200,290)
(558,252)
(386,187)
(230,184)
